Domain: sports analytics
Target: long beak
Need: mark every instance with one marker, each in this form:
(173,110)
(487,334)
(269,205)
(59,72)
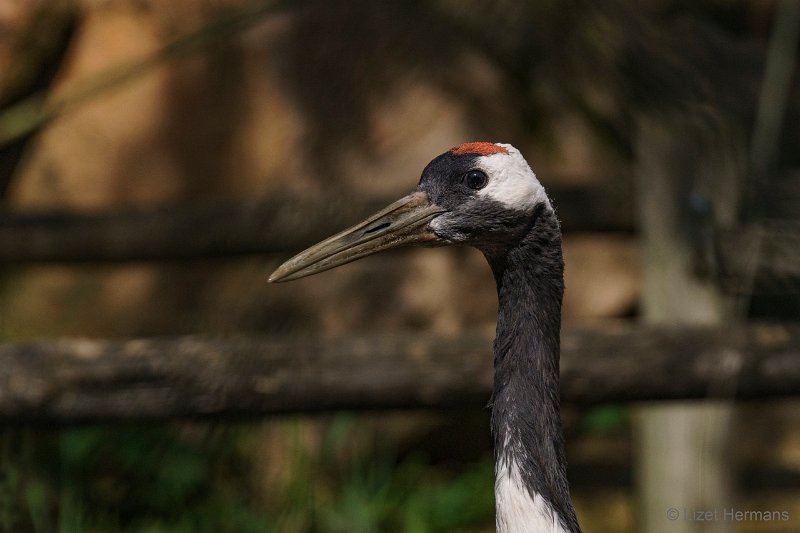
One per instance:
(401,223)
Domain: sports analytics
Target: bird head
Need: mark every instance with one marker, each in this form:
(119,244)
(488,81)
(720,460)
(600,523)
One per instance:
(480,194)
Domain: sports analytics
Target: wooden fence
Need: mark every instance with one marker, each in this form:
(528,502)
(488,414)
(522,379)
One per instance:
(67,381)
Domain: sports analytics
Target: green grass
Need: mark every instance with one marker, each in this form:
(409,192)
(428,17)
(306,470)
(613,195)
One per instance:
(197,478)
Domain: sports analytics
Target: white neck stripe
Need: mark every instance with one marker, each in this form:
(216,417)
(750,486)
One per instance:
(517,510)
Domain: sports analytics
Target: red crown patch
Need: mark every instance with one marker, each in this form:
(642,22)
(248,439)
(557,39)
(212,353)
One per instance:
(479,148)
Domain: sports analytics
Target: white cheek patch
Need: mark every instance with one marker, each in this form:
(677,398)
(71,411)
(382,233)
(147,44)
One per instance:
(511,181)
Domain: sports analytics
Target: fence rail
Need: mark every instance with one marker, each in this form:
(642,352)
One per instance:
(284,223)
(70,381)
(227,228)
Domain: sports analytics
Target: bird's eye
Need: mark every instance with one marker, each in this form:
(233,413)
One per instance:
(475,179)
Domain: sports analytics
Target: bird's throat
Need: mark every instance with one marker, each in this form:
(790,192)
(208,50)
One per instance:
(531,486)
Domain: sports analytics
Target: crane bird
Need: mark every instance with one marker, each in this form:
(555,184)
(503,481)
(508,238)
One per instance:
(485,195)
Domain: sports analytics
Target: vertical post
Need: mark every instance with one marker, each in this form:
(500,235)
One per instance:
(682,451)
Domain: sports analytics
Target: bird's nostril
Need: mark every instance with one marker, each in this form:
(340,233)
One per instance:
(373,229)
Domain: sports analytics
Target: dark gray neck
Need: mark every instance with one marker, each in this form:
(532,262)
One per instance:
(526,420)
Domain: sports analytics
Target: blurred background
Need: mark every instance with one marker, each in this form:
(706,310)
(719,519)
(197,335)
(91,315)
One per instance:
(666,131)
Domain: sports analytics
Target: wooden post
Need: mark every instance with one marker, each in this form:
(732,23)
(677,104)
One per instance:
(684,170)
